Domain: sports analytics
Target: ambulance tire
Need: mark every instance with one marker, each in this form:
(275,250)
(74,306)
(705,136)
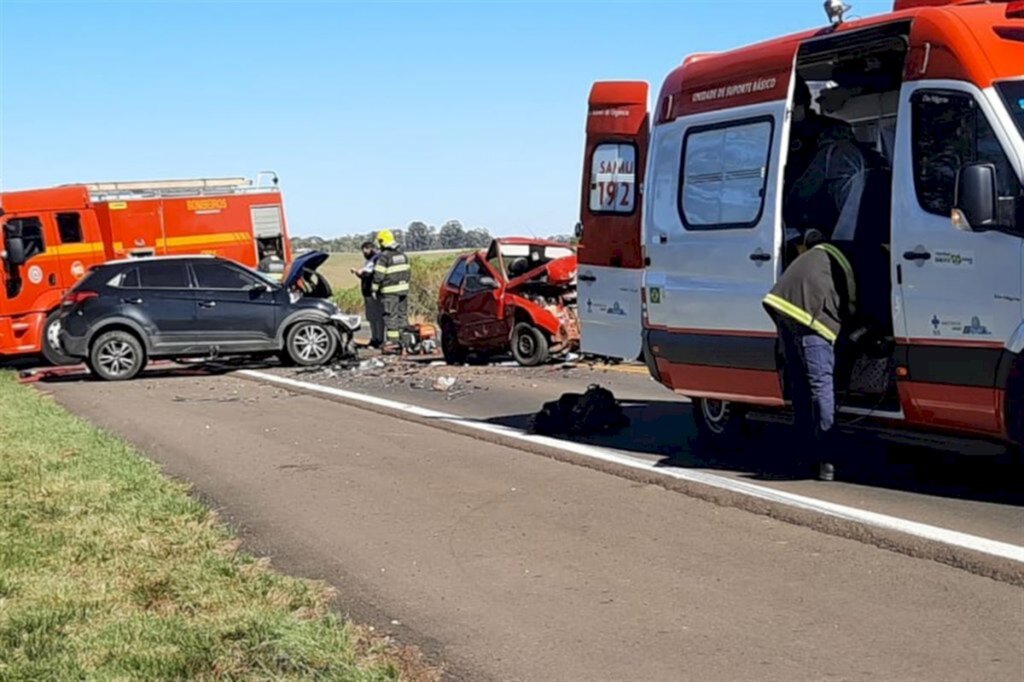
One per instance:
(51,343)
(310,343)
(720,424)
(116,355)
(529,345)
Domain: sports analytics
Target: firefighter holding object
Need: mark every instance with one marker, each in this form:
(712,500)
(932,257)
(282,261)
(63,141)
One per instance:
(374,313)
(391,287)
(812,303)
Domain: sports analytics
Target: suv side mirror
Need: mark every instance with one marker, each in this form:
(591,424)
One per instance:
(974,204)
(15,250)
(258,288)
(578,231)
(488,282)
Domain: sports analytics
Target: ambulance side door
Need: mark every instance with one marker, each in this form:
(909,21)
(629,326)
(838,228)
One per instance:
(712,237)
(610,252)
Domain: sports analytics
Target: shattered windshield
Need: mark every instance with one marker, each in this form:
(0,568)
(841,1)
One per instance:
(522,258)
(1013,94)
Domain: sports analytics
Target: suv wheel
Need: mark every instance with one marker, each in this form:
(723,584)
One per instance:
(529,345)
(52,351)
(117,356)
(311,343)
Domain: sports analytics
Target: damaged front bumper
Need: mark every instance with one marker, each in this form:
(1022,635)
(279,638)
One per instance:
(349,323)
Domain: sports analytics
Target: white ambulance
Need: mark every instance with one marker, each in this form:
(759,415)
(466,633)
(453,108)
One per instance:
(914,136)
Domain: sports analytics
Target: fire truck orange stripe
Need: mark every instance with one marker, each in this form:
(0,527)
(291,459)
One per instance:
(208,239)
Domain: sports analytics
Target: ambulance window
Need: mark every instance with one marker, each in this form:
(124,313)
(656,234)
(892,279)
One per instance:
(31,232)
(70,227)
(724,173)
(170,275)
(1013,94)
(949,132)
(613,179)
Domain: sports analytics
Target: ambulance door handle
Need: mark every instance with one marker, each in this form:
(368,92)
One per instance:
(588,278)
(53,279)
(917,255)
(760,256)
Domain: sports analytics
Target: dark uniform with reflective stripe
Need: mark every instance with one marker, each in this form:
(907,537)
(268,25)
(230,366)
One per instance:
(813,300)
(391,286)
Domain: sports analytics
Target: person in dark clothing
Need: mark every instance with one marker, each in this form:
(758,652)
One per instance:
(374,310)
(811,304)
(810,132)
(391,286)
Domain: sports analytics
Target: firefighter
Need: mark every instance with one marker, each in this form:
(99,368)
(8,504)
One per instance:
(374,313)
(391,287)
(812,303)
(271,264)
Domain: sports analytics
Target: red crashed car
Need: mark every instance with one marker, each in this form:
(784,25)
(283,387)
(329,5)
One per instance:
(518,295)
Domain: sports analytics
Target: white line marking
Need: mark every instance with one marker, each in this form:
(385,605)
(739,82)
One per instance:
(954,538)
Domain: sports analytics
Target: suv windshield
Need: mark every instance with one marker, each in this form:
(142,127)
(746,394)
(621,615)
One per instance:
(1013,94)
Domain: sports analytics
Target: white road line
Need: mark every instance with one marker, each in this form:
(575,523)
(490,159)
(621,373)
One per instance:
(925,531)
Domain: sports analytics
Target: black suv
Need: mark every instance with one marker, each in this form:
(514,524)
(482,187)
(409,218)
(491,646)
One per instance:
(124,312)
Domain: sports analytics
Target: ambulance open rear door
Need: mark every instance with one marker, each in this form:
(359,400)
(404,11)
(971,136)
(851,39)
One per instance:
(611,261)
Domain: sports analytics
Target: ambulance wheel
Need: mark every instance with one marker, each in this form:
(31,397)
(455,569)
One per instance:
(51,342)
(311,343)
(720,423)
(117,356)
(529,345)
(454,352)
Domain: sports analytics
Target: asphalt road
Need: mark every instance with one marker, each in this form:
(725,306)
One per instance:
(971,494)
(506,565)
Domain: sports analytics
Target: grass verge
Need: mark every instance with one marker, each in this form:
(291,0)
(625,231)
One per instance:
(109,570)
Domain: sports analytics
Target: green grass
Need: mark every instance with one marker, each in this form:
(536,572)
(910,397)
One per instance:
(428,269)
(109,570)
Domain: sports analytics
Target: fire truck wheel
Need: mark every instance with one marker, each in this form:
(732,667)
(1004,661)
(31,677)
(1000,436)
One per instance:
(720,423)
(529,345)
(117,356)
(51,342)
(453,351)
(310,343)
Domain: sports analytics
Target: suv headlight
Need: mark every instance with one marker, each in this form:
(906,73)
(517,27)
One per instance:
(353,322)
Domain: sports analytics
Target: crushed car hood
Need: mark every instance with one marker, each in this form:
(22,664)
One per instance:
(559,272)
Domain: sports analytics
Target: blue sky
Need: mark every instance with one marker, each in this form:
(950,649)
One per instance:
(372,114)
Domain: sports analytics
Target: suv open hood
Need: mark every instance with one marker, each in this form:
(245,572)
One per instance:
(307,261)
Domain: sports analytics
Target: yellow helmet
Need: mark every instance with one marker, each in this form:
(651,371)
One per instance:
(385,238)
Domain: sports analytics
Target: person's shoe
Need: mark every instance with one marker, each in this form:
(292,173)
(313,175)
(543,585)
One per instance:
(826,472)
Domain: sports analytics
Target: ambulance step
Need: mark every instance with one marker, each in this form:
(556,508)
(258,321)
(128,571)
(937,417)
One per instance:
(896,436)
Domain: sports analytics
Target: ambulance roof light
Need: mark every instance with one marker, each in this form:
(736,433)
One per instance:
(835,9)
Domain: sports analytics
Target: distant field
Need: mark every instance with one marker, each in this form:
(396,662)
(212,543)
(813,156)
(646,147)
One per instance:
(337,267)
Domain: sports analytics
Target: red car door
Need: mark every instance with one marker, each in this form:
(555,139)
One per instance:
(479,320)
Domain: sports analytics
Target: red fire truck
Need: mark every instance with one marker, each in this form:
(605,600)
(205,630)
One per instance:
(52,236)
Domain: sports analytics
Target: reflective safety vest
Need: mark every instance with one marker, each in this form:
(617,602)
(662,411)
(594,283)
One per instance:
(391,273)
(818,290)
